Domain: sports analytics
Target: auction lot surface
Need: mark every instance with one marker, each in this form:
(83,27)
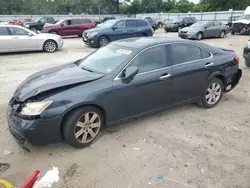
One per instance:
(191,145)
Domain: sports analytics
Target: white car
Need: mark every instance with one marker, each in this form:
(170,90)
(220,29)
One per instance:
(15,38)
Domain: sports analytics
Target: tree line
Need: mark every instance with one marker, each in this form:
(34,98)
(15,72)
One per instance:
(113,6)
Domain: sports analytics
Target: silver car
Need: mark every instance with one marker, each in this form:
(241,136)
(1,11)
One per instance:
(206,29)
(16,39)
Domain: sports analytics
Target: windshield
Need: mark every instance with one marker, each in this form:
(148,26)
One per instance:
(244,17)
(176,20)
(106,59)
(37,20)
(108,23)
(198,24)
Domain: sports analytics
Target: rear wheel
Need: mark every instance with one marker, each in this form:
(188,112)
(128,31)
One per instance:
(50,46)
(212,93)
(247,63)
(103,41)
(142,35)
(199,36)
(83,126)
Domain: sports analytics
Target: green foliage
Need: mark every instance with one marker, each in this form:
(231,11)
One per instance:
(112,6)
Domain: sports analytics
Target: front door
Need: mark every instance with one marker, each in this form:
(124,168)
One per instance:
(21,41)
(119,31)
(210,30)
(191,69)
(150,89)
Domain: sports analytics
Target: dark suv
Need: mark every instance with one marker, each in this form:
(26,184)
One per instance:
(179,23)
(113,30)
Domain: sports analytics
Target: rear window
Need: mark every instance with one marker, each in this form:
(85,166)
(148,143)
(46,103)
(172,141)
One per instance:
(141,23)
(3,31)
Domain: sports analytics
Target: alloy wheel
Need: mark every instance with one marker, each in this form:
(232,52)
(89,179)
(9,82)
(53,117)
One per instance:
(50,46)
(222,34)
(87,127)
(213,93)
(103,41)
(199,36)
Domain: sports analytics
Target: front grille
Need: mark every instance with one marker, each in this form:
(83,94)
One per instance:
(184,32)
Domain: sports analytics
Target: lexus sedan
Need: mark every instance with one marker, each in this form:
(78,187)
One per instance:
(15,38)
(126,79)
(204,29)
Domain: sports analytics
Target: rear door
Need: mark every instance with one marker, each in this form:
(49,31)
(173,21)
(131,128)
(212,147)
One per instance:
(132,29)
(77,26)
(217,28)
(191,67)
(5,40)
(21,41)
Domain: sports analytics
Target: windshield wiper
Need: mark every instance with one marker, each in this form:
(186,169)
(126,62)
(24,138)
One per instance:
(84,68)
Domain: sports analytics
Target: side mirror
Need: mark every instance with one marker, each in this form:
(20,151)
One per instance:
(62,24)
(30,34)
(129,73)
(114,27)
(205,27)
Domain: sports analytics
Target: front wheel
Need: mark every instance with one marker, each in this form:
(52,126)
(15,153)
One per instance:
(247,63)
(222,34)
(50,46)
(83,126)
(103,41)
(212,93)
(199,36)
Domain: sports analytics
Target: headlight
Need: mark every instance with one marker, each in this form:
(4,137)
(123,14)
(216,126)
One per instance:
(191,32)
(247,44)
(92,34)
(27,26)
(35,108)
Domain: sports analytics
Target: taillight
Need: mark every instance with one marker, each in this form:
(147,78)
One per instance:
(237,59)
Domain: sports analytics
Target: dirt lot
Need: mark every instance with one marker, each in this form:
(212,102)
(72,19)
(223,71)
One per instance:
(189,145)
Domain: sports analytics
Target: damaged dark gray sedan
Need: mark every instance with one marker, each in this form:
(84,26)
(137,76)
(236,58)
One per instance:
(124,80)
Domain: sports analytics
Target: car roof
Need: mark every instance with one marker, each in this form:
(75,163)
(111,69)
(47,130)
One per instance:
(145,42)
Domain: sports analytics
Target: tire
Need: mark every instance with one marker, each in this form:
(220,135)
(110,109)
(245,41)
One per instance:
(247,63)
(50,46)
(103,41)
(212,93)
(82,33)
(142,35)
(199,36)
(33,29)
(222,34)
(232,32)
(53,32)
(80,136)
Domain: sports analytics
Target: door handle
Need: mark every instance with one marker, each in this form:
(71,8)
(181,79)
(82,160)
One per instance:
(15,37)
(209,64)
(164,77)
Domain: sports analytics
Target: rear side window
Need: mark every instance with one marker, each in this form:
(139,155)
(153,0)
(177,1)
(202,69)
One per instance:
(131,23)
(150,59)
(3,31)
(87,21)
(18,31)
(75,22)
(141,23)
(182,53)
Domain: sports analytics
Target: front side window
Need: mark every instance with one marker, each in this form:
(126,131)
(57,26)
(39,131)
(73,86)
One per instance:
(3,31)
(106,59)
(67,22)
(210,24)
(18,31)
(150,59)
(182,53)
(120,25)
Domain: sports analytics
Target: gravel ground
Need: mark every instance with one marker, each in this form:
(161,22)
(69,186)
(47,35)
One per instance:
(190,146)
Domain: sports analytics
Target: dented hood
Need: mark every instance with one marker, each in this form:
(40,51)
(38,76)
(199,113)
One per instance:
(242,21)
(53,78)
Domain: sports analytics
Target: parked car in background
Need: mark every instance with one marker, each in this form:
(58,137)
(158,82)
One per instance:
(113,30)
(246,53)
(205,29)
(39,23)
(15,38)
(241,25)
(17,22)
(74,26)
(126,79)
(152,22)
(179,23)
(103,20)
(231,19)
